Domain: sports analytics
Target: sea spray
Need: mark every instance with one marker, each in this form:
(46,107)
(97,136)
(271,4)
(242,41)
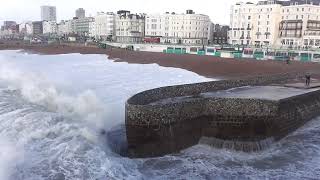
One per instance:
(46,144)
(84,108)
(10,157)
(36,88)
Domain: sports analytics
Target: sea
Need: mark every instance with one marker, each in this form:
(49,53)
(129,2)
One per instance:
(53,109)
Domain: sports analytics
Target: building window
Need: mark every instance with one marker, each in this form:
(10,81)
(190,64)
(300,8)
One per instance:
(311,43)
(153,26)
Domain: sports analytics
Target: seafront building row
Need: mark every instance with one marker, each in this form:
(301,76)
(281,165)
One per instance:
(275,24)
(293,24)
(124,26)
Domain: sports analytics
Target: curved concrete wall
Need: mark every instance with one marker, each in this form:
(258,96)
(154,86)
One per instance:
(159,129)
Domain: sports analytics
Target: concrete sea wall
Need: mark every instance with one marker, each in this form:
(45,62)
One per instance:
(155,129)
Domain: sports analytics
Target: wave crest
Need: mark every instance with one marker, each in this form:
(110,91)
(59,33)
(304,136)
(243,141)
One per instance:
(35,88)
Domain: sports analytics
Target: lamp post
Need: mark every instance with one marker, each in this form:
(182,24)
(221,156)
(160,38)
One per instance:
(308,49)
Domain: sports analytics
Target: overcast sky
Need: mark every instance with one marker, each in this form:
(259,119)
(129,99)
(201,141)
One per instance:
(23,10)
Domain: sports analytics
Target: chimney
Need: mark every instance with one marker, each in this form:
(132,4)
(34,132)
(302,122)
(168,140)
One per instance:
(189,11)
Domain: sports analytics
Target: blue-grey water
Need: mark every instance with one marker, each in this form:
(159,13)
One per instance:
(52,110)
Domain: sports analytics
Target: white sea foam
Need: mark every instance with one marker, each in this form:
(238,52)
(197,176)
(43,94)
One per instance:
(10,156)
(36,89)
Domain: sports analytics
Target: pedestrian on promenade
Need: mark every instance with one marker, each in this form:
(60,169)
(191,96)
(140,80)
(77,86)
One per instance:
(308,79)
(288,61)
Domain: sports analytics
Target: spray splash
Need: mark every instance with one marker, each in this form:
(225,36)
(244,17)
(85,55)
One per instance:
(36,89)
(10,156)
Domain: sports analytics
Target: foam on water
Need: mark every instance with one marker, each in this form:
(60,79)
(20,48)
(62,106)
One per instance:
(36,89)
(52,110)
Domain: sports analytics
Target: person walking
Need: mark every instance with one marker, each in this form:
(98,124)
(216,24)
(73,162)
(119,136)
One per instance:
(308,79)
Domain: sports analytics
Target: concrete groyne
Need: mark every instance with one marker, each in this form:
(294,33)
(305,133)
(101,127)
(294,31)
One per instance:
(169,119)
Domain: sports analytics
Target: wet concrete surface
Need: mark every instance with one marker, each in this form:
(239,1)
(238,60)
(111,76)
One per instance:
(259,92)
(303,85)
(248,92)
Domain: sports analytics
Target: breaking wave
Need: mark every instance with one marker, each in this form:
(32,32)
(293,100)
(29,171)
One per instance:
(36,89)
(49,134)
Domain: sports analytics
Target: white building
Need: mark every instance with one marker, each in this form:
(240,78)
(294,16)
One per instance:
(104,25)
(129,27)
(22,28)
(92,29)
(50,27)
(81,26)
(189,28)
(300,25)
(26,28)
(242,18)
(65,28)
(29,27)
(48,13)
(155,26)
(277,24)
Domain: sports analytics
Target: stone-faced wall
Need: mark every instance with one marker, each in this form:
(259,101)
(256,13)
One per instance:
(153,95)
(296,111)
(158,129)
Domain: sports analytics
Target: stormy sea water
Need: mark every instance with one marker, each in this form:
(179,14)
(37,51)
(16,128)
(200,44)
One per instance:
(53,108)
